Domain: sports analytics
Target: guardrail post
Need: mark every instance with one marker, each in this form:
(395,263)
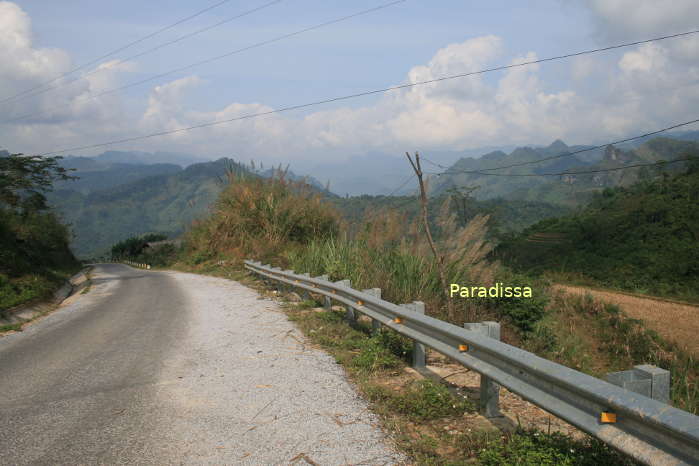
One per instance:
(327,302)
(419,360)
(279,285)
(349,310)
(489,391)
(265,280)
(305,295)
(287,288)
(376,293)
(645,379)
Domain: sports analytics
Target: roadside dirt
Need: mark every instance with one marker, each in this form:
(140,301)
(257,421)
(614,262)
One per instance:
(516,411)
(673,321)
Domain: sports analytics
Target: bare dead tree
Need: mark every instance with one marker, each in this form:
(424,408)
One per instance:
(428,232)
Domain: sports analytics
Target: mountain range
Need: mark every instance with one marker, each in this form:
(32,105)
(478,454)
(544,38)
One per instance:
(112,200)
(535,182)
(121,194)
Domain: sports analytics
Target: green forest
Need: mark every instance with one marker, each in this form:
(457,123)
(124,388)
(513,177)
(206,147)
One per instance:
(35,257)
(642,238)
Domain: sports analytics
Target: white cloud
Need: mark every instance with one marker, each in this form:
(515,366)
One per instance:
(63,115)
(647,87)
(621,18)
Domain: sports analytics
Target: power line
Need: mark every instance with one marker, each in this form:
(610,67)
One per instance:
(146,52)
(585,172)
(407,180)
(362,94)
(219,57)
(566,154)
(130,44)
(422,157)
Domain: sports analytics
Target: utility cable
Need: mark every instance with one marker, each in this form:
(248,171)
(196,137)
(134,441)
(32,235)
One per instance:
(361,94)
(113,52)
(568,154)
(146,52)
(216,58)
(584,172)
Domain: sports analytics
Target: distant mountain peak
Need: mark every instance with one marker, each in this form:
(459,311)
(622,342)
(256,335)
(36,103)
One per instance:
(612,153)
(558,145)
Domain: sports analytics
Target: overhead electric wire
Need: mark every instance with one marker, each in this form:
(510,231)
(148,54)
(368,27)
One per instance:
(407,180)
(585,172)
(122,48)
(422,157)
(565,154)
(218,57)
(366,93)
(146,52)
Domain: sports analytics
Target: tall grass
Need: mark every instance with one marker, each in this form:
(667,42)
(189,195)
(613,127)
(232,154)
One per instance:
(402,277)
(598,338)
(289,225)
(255,217)
(391,253)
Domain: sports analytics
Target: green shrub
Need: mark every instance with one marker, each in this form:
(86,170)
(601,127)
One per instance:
(374,356)
(396,343)
(523,313)
(421,401)
(534,448)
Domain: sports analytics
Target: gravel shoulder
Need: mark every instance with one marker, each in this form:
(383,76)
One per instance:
(253,392)
(172,368)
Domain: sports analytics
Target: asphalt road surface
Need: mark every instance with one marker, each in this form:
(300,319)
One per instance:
(171,368)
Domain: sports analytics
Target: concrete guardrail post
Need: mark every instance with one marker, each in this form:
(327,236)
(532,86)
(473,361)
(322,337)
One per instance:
(279,285)
(327,302)
(419,359)
(645,379)
(489,391)
(376,293)
(288,288)
(305,295)
(349,310)
(265,280)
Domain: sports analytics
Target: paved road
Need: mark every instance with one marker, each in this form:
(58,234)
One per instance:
(171,368)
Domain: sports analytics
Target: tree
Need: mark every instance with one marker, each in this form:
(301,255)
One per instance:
(439,258)
(25,178)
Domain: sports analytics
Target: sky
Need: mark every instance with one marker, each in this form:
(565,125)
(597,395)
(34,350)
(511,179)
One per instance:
(587,99)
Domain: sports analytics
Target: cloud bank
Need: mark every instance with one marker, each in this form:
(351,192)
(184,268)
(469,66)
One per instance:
(643,88)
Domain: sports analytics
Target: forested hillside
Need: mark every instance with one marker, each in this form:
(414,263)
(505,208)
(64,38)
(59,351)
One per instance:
(94,175)
(570,190)
(110,202)
(641,238)
(118,195)
(164,203)
(504,216)
(34,254)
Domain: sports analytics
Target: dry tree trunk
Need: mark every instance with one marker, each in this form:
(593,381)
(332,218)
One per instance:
(439,258)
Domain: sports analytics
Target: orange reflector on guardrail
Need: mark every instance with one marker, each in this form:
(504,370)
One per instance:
(463,348)
(607,417)
(398,320)
(359,303)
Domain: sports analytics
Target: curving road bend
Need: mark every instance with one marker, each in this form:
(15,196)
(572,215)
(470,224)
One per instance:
(173,368)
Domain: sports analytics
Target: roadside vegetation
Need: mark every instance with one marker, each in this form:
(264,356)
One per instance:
(291,225)
(35,258)
(151,248)
(433,422)
(641,238)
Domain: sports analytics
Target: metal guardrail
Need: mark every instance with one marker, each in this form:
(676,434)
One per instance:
(137,264)
(650,431)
